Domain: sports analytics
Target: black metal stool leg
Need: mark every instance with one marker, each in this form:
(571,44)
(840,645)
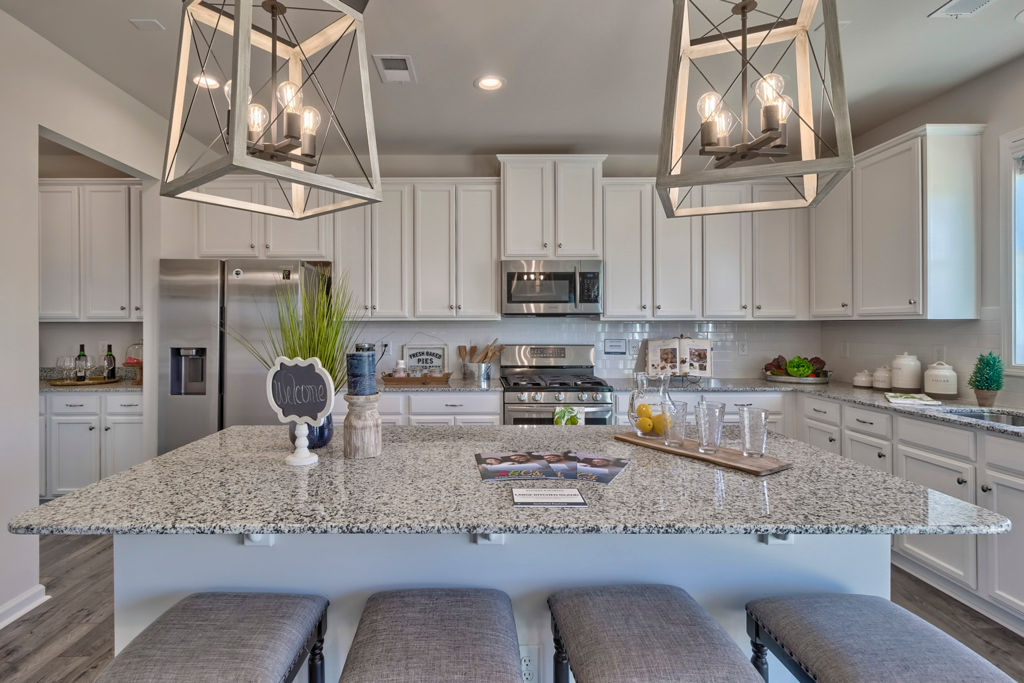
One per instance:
(561,660)
(316,653)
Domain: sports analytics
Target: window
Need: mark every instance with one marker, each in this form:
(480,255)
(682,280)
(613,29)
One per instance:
(1012,159)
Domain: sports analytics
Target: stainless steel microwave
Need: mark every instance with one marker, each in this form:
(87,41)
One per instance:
(546,287)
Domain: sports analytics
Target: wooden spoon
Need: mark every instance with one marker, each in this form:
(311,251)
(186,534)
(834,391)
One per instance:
(462,352)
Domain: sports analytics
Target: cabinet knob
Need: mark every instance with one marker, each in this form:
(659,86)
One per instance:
(658,307)
(844,305)
(451,307)
(881,454)
(92,427)
(961,481)
(107,428)
(267,246)
(559,245)
(643,307)
(758,307)
(459,307)
(138,308)
(366,307)
(545,245)
(912,302)
(744,307)
(831,439)
(252,245)
(124,308)
(985,488)
(374,307)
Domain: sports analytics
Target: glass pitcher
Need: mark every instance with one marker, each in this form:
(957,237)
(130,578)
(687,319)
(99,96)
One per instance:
(651,409)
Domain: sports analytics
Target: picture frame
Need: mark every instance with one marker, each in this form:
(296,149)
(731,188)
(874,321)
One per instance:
(427,357)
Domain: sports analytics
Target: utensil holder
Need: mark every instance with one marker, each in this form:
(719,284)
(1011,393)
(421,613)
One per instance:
(362,427)
(477,373)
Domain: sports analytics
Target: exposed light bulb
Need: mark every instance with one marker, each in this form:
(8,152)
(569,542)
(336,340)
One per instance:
(708,105)
(208,82)
(290,97)
(769,89)
(310,120)
(227,93)
(785,107)
(723,124)
(258,118)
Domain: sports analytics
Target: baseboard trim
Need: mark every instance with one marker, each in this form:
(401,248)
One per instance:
(22,604)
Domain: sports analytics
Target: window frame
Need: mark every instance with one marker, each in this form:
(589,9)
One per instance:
(1011,146)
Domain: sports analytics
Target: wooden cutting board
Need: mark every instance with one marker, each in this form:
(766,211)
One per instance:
(725,457)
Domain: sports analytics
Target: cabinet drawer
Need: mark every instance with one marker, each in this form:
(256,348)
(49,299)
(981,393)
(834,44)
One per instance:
(1007,454)
(733,401)
(449,403)
(73,404)
(867,421)
(123,404)
(958,442)
(390,403)
(821,411)
(824,436)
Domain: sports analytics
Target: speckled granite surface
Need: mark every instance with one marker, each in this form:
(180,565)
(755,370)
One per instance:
(678,384)
(123,386)
(454,384)
(236,481)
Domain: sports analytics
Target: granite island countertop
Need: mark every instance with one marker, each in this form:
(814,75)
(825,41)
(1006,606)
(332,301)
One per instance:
(122,385)
(426,481)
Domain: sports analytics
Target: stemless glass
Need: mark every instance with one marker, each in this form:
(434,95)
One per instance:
(754,426)
(66,365)
(710,416)
(673,423)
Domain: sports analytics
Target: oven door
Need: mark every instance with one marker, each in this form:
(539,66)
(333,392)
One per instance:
(543,414)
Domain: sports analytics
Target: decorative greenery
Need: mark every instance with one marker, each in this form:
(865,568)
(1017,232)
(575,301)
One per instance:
(319,323)
(799,367)
(566,415)
(988,373)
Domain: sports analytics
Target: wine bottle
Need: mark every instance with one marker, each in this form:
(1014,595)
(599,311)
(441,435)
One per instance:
(81,364)
(109,364)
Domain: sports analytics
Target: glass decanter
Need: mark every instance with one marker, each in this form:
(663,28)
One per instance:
(650,406)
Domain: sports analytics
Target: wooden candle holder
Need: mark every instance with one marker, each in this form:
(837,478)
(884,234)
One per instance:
(362,427)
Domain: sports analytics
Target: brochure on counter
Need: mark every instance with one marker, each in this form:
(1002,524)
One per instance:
(548,498)
(568,465)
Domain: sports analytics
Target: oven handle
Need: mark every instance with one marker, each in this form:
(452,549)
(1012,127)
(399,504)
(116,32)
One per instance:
(536,408)
(576,284)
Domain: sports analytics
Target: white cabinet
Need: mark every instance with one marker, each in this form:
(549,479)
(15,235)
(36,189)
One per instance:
(135,244)
(42,450)
(868,450)
(434,251)
(823,436)
(352,255)
(1004,554)
(954,556)
(59,235)
(628,212)
(727,255)
(678,251)
(831,247)
(916,216)
(289,238)
(224,232)
(779,253)
(106,252)
(73,452)
(476,250)
(122,443)
(455,408)
(391,269)
(551,206)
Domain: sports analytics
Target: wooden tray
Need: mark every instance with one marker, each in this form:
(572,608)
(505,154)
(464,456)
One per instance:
(441,381)
(90,381)
(726,457)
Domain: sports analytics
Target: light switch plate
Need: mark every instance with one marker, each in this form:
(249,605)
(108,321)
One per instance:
(615,347)
(634,347)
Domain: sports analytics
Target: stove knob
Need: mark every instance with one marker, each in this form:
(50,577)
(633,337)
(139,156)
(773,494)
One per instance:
(559,396)
(537,397)
(584,397)
(522,396)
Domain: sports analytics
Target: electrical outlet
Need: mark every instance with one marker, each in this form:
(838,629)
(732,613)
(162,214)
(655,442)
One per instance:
(529,659)
(634,347)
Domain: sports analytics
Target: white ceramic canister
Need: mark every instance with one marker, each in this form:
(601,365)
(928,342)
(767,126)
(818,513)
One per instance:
(906,373)
(940,380)
(862,379)
(882,379)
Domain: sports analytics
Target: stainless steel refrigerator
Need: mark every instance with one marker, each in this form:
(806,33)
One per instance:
(207,380)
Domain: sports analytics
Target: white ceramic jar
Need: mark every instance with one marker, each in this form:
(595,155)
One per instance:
(940,380)
(906,373)
(862,379)
(882,379)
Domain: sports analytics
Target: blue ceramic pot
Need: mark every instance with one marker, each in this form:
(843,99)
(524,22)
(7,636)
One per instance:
(318,437)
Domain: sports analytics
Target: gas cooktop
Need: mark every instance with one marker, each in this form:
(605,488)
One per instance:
(519,381)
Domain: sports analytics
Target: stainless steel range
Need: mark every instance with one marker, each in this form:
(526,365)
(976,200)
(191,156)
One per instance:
(536,378)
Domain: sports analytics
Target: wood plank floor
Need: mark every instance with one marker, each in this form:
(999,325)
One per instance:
(71,636)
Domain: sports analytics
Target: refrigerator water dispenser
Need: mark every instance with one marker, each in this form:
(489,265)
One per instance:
(188,371)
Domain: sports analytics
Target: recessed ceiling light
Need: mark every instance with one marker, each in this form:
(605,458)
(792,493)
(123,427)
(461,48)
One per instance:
(147,24)
(204,81)
(489,82)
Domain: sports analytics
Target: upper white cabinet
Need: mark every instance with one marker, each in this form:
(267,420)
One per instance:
(779,256)
(89,251)
(727,255)
(476,250)
(678,273)
(434,244)
(551,206)
(352,255)
(916,215)
(289,238)
(831,247)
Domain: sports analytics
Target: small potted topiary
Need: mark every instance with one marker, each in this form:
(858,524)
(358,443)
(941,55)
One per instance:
(987,378)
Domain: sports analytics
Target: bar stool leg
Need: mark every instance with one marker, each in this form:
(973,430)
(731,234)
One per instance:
(316,653)
(759,652)
(561,660)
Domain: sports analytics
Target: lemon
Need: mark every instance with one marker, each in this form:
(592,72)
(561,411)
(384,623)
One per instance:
(644,424)
(661,423)
(643,410)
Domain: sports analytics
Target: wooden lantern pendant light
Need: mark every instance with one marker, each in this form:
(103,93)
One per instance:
(291,114)
(726,142)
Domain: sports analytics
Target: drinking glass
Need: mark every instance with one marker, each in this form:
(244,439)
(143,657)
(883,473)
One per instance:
(66,365)
(754,426)
(674,423)
(710,416)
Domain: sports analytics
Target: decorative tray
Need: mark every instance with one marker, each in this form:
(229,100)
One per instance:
(789,379)
(391,381)
(724,457)
(90,381)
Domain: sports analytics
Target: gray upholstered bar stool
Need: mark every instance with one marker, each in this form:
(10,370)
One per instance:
(835,637)
(454,635)
(215,637)
(650,633)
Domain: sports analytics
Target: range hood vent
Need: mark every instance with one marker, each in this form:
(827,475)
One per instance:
(959,9)
(395,68)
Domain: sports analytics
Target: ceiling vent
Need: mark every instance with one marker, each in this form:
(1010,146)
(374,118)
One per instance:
(395,68)
(959,9)
(147,24)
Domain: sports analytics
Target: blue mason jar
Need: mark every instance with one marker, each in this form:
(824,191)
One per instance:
(362,370)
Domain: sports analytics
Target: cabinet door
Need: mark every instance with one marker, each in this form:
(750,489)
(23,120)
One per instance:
(678,250)
(469,420)
(868,450)
(59,274)
(831,242)
(823,436)
(727,258)
(391,261)
(73,453)
(627,269)
(476,227)
(953,556)
(528,194)
(122,443)
(135,244)
(887,231)
(431,420)
(42,456)
(779,255)
(105,252)
(287,237)
(1004,553)
(434,251)
(577,208)
(352,255)
(231,232)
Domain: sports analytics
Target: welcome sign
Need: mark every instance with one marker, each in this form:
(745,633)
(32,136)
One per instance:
(300,390)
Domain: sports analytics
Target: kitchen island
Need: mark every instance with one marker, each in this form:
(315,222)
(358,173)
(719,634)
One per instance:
(419,515)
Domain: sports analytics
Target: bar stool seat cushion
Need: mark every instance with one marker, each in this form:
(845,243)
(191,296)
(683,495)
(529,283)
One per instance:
(650,633)
(843,638)
(215,637)
(432,635)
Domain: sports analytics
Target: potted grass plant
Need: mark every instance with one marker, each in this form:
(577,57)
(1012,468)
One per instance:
(318,321)
(987,378)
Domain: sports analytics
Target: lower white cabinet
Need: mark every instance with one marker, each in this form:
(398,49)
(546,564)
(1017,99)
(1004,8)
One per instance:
(73,453)
(868,450)
(824,436)
(122,443)
(42,455)
(444,408)
(1004,554)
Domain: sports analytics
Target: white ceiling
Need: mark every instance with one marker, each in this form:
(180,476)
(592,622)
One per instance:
(582,75)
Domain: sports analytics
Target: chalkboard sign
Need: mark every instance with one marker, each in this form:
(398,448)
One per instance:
(300,390)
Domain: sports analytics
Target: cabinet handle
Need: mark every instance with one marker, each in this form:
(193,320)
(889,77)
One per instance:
(912,302)
(743,405)
(252,245)
(744,307)
(366,307)
(374,307)
(129,405)
(658,307)
(138,308)
(452,405)
(451,307)
(831,439)
(267,246)
(881,454)
(559,245)
(819,410)
(758,307)
(107,428)
(124,308)
(459,307)
(73,405)
(844,305)
(961,481)
(545,245)
(985,488)
(643,307)
(92,427)
(865,422)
